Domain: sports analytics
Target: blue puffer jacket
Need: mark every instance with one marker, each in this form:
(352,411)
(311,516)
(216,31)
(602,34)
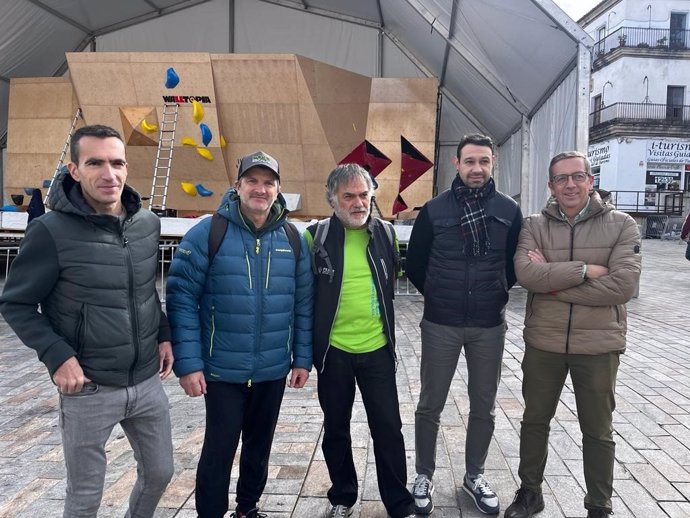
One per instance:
(248,316)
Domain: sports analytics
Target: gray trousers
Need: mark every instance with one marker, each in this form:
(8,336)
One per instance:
(86,421)
(441,347)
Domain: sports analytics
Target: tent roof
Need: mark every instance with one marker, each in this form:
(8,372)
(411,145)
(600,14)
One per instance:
(496,60)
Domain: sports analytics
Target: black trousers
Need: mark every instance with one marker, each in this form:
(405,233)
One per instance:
(233,409)
(374,373)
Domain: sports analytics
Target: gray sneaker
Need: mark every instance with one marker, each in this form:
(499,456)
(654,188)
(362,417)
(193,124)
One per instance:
(484,497)
(340,511)
(422,490)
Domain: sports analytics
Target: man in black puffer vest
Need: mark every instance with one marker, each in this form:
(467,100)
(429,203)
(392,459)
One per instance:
(460,257)
(90,264)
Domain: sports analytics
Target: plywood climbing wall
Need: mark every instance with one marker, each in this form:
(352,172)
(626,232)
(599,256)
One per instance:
(307,114)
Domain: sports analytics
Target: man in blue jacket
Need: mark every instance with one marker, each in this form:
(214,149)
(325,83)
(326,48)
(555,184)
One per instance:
(241,319)
(460,257)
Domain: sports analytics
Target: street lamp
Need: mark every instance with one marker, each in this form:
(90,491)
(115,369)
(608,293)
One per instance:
(649,8)
(603,89)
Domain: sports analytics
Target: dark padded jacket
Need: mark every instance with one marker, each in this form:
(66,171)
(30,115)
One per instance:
(247,316)
(383,262)
(461,290)
(94,277)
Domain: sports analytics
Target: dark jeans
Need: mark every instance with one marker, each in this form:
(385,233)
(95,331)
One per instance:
(374,373)
(233,409)
(594,382)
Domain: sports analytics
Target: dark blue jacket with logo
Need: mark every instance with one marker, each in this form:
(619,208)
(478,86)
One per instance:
(247,316)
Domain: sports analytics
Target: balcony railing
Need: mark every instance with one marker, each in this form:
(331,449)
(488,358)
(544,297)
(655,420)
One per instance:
(672,115)
(669,203)
(642,38)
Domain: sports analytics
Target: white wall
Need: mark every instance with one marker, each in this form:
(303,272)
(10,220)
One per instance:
(627,77)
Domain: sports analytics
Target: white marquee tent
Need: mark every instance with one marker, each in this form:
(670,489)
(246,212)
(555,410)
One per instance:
(517,70)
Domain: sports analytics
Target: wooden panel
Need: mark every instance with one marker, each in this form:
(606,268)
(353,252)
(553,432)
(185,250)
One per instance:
(415,121)
(332,85)
(108,115)
(28,170)
(40,97)
(37,135)
(404,90)
(251,79)
(269,123)
(103,83)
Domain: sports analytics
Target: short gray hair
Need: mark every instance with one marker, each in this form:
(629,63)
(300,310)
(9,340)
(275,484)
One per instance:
(570,154)
(344,174)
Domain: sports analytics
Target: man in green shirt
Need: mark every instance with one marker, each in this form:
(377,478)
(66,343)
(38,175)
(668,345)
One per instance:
(355,260)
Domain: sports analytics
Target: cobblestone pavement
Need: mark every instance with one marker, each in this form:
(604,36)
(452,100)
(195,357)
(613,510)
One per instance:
(652,422)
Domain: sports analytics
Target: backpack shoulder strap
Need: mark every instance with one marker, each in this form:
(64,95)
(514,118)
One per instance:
(318,247)
(390,233)
(219,226)
(295,242)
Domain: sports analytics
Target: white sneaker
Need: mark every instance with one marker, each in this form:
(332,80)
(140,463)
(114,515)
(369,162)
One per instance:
(422,491)
(482,494)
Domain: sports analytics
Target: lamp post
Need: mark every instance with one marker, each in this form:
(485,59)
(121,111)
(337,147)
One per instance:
(649,8)
(603,89)
(608,22)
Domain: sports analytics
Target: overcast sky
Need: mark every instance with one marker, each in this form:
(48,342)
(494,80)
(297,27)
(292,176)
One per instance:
(576,8)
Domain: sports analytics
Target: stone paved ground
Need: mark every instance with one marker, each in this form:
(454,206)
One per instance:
(652,421)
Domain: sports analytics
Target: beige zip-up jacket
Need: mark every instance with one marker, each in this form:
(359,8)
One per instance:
(565,312)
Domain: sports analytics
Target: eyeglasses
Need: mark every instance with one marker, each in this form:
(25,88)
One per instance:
(562,179)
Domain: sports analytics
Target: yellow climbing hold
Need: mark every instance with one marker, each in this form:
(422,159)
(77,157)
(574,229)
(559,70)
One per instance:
(222,142)
(189,141)
(205,153)
(189,188)
(197,111)
(149,128)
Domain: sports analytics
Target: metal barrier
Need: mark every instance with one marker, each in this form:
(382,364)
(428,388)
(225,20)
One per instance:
(166,252)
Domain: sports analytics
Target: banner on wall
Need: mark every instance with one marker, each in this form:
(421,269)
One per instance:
(599,154)
(668,151)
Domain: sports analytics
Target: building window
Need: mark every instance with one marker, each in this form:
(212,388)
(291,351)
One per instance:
(601,43)
(596,110)
(678,33)
(675,97)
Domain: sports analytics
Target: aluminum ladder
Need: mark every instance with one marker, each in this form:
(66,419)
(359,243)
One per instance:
(61,161)
(164,155)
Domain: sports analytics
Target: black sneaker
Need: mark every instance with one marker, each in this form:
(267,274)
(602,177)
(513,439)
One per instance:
(599,512)
(252,513)
(484,497)
(422,490)
(526,504)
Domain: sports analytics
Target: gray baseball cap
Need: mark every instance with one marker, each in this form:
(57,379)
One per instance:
(258,158)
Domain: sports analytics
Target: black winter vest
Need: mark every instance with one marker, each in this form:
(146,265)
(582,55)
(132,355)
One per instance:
(462,290)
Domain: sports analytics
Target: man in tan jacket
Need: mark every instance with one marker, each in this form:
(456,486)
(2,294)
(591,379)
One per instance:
(580,261)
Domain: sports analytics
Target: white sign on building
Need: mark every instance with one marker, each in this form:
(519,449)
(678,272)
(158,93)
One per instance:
(599,154)
(668,151)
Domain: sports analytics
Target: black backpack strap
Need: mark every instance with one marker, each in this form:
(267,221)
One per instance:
(219,226)
(319,248)
(295,242)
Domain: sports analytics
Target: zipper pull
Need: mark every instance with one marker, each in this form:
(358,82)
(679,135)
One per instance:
(258,245)
(249,384)
(125,242)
